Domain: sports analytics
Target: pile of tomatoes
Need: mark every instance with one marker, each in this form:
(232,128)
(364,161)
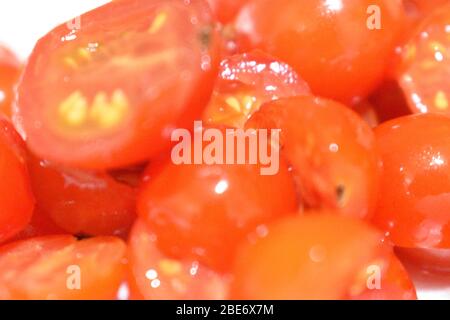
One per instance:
(91,203)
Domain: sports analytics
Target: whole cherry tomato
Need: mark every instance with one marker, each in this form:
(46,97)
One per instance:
(60,267)
(16,198)
(414,196)
(245,82)
(319,256)
(109,93)
(341,48)
(9,75)
(82,202)
(425,76)
(331,150)
(203,211)
(158,277)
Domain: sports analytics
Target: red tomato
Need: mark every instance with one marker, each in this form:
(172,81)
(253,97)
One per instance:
(41,268)
(158,277)
(331,149)
(9,74)
(110,93)
(436,261)
(202,211)
(425,78)
(389,101)
(245,82)
(16,199)
(83,202)
(226,10)
(367,112)
(329,43)
(414,198)
(419,9)
(317,256)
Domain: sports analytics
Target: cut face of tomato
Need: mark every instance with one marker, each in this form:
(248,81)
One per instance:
(82,202)
(60,267)
(158,277)
(226,10)
(9,75)
(331,150)
(317,256)
(245,82)
(413,204)
(109,93)
(16,198)
(341,48)
(425,77)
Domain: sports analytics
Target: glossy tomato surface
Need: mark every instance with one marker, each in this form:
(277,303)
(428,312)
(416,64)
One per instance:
(82,202)
(425,77)
(331,150)
(158,277)
(109,93)
(317,256)
(226,10)
(414,200)
(203,211)
(16,198)
(336,46)
(54,267)
(9,75)
(245,82)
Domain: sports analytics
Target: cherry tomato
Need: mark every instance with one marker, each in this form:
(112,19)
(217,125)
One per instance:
(16,199)
(389,101)
(109,94)
(159,277)
(226,10)
(414,198)
(436,261)
(82,202)
(331,149)
(245,82)
(54,267)
(419,9)
(426,65)
(367,112)
(9,75)
(336,46)
(202,211)
(317,256)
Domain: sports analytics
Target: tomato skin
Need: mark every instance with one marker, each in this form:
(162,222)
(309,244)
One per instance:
(330,47)
(331,149)
(226,10)
(202,211)
(37,269)
(9,75)
(316,256)
(249,80)
(16,198)
(175,279)
(87,113)
(426,65)
(82,202)
(389,101)
(413,203)
(436,261)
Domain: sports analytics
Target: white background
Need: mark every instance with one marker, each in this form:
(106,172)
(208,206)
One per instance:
(23,22)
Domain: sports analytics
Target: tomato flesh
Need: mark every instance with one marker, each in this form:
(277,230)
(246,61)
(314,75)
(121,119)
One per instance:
(414,199)
(82,202)
(245,82)
(16,198)
(329,43)
(426,65)
(158,277)
(331,150)
(109,94)
(317,256)
(39,268)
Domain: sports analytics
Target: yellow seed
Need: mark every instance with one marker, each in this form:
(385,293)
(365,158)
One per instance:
(234,103)
(70,62)
(158,23)
(74,109)
(84,53)
(248,103)
(441,101)
(106,113)
(170,267)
